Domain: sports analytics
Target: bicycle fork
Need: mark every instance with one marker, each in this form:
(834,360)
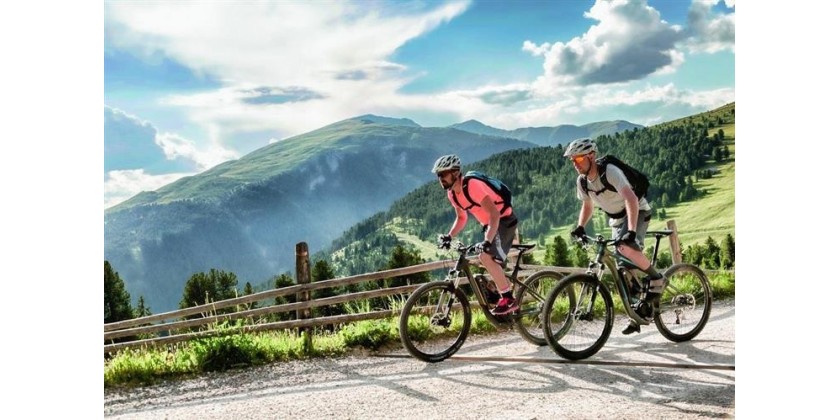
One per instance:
(586,302)
(440,317)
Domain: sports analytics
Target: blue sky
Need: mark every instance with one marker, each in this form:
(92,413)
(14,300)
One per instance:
(190,85)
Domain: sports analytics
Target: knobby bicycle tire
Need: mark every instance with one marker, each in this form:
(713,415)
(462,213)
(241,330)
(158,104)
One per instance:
(578,316)
(685,304)
(425,332)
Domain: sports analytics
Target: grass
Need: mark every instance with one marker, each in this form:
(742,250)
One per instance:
(148,365)
(137,367)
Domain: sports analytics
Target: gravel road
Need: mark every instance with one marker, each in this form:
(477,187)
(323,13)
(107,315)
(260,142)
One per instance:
(643,375)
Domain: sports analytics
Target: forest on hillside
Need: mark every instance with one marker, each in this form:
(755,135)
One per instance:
(673,156)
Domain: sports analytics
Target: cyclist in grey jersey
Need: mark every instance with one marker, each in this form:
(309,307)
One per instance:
(629,215)
(611,201)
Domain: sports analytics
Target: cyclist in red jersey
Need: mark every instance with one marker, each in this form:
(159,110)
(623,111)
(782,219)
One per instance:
(498,220)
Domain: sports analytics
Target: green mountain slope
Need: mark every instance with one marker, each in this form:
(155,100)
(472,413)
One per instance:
(675,156)
(245,216)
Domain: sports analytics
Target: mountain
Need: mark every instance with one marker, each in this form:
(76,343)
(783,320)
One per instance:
(473,126)
(246,215)
(375,119)
(550,136)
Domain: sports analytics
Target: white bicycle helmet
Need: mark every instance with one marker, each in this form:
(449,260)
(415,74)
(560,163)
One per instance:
(581,147)
(445,163)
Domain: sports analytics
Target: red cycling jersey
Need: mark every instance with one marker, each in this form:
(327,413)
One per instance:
(478,190)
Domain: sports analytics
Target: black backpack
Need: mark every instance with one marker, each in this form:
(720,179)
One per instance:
(496,185)
(637,180)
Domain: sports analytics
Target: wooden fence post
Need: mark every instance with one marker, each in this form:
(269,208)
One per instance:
(302,277)
(676,255)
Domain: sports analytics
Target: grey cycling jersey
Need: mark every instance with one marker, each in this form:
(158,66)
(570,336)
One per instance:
(610,201)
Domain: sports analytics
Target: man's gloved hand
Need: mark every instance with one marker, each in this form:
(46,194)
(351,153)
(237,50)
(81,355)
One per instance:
(629,238)
(484,246)
(444,241)
(579,233)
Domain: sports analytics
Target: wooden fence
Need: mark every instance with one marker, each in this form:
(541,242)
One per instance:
(172,327)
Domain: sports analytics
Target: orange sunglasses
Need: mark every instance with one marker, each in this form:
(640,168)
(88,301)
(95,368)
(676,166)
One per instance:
(579,158)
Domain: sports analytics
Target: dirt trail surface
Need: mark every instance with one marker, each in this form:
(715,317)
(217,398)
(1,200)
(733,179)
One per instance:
(643,375)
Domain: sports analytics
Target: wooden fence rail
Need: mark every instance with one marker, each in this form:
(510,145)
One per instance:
(176,325)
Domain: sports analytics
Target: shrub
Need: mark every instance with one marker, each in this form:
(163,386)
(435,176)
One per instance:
(231,351)
(369,333)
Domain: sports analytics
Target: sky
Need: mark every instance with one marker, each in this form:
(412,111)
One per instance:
(189,85)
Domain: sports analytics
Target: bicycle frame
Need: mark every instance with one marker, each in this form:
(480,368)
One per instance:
(614,259)
(463,266)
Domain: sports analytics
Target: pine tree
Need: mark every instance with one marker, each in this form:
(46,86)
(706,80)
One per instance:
(711,258)
(727,252)
(142,310)
(197,291)
(117,299)
(557,254)
(225,283)
(249,290)
(579,256)
(323,271)
(214,286)
(281,281)
(402,257)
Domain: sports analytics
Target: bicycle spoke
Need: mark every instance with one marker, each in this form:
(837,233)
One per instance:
(685,303)
(531,297)
(434,322)
(578,317)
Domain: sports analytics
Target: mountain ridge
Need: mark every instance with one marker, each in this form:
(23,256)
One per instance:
(550,136)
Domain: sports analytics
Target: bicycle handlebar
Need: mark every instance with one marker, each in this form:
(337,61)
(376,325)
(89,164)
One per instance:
(461,248)
(599,239)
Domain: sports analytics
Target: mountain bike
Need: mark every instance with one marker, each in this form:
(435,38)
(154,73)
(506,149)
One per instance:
(578,314)
(436,318)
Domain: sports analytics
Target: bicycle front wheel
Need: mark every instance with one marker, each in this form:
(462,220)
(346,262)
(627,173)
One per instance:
(435,321)
(578,316)
(531,297)
(686,303)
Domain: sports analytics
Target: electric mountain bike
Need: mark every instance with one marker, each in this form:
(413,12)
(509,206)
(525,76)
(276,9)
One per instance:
(435,321)
(578,314)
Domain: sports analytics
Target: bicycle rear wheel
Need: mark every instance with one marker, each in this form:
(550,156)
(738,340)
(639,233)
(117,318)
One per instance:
(435,321)
(686,303)
(578,316)
(531,297)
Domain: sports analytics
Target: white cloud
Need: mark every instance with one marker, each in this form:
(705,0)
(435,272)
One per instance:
(710,32)
(122,185)
(669,94)
(175,146)
(264,43)
(535,50)
(132,143)
(604,97)
(629,42)
(337,50)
